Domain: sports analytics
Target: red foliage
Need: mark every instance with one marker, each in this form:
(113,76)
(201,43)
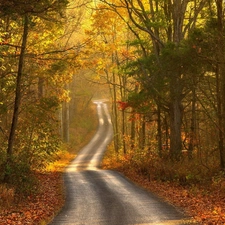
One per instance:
(123,105)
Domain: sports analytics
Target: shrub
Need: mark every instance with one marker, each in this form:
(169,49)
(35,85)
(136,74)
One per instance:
(17,173)
(7,195)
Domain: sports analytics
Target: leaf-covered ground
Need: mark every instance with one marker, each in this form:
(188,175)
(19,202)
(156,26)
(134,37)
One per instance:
(38,208)
(205,204)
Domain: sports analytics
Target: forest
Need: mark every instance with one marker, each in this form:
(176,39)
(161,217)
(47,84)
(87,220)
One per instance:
(160,64)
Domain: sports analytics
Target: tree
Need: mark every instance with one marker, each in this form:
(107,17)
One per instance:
(106,52)
(221,79)
(21,13)
(166,26)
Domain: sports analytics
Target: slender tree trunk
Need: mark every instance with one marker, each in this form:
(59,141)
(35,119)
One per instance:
(133,123)
(66,118)
(221,78)
(18,90)
(132,132)
(193,122)
(115,116)
(220,118)
(167,144)
(123,132)
(123,118)
(65,121)
(17,100)
(159,130)
(142,133)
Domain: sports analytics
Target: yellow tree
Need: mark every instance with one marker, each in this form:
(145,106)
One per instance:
(27,51)
(105,54)
(165,25)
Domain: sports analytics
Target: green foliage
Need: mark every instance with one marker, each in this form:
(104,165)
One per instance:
(19,174)
(37,140)
(41,123)
(58,67)
(10,7)
(48,104)
(182,59)
(140,102)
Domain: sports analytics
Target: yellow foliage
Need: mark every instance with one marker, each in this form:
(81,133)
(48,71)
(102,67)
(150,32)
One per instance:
(64,158)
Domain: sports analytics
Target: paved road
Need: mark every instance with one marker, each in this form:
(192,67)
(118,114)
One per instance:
(104,197)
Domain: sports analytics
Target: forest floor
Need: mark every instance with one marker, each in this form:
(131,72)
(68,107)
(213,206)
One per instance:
(38,208)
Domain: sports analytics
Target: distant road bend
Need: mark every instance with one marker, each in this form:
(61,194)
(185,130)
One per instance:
(104,197)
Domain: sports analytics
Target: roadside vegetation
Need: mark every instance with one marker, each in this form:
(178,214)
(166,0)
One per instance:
(40,198)
(193,188)
(45,108)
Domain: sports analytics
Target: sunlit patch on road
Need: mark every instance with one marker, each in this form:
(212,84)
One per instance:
(101,121)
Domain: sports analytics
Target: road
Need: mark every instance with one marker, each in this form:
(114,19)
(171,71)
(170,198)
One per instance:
(105,197)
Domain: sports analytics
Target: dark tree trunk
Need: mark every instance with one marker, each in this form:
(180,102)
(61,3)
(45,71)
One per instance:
(142,133)
(65,121)
(115,116)
(159,130)
(17,100)
(132,132)
(18,90)
(221,79)
(193,126)
(175,113)
(175,129)
(123,132)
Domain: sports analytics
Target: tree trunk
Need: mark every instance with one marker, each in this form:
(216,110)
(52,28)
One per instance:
(65,121)
(123,133)
(132,132)
(17,100)
(220,118)
(142,133)
(175,122)
(175,84)
(193,122)
(115,116)
(221,78)
(159,130)
(167,135)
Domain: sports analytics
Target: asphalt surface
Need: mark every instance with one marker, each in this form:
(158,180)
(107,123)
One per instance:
(104,197)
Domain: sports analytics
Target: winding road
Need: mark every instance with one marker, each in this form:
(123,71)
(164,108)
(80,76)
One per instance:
(104,197)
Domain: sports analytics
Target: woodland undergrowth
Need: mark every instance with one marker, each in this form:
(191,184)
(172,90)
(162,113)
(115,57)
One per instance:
(195,189)
(42,199)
